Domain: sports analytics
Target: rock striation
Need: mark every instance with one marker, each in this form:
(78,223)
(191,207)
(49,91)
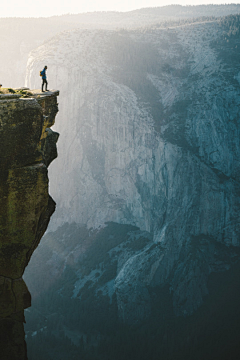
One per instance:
(27,147)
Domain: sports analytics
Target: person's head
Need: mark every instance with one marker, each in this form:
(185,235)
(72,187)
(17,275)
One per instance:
(45,67)
(0,85)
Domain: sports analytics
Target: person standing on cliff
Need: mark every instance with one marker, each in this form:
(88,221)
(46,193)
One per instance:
(44,78)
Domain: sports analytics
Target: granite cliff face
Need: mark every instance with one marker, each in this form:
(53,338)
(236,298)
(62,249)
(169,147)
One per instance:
(27,146)
(32,32)
(151,140)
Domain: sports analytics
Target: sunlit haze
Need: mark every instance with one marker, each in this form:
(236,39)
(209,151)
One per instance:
(45,8)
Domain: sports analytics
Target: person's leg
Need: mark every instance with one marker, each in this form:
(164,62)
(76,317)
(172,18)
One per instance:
(42,84)
(46,85)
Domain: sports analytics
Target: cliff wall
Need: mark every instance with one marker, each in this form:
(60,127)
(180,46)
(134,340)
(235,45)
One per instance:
(27,146)
(152,140)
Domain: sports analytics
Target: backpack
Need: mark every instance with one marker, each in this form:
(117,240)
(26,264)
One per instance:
(41,74)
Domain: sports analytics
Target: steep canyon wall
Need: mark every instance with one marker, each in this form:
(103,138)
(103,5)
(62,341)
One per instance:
(150,124)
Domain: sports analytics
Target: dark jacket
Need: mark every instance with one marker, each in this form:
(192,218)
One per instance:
(44,76)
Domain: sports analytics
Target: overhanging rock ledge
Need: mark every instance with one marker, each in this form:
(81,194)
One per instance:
(27,147)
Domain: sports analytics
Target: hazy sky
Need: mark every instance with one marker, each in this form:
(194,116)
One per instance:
(29,8)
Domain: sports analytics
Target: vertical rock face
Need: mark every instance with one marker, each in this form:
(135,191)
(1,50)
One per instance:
(27,146)
(152,140)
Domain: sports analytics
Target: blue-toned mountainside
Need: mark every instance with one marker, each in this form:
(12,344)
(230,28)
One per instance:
(146,233)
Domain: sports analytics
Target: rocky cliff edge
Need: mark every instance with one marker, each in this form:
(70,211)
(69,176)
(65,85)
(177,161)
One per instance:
(27,147)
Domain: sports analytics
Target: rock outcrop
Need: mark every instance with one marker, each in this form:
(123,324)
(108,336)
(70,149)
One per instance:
(27,146)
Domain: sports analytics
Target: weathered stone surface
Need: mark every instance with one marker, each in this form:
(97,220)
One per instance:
(21,123)
(12,339)
(48,146)
(27,146)
(14,296)
(7,298)
(24,197)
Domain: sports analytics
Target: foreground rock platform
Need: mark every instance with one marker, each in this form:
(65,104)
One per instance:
(27,147)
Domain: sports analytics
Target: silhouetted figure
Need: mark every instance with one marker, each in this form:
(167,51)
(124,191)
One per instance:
(44,78)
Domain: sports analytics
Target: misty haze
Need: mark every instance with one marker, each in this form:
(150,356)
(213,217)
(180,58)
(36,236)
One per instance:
(140,260)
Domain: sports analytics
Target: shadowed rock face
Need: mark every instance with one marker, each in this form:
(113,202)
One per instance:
(27,147)
(155,140)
